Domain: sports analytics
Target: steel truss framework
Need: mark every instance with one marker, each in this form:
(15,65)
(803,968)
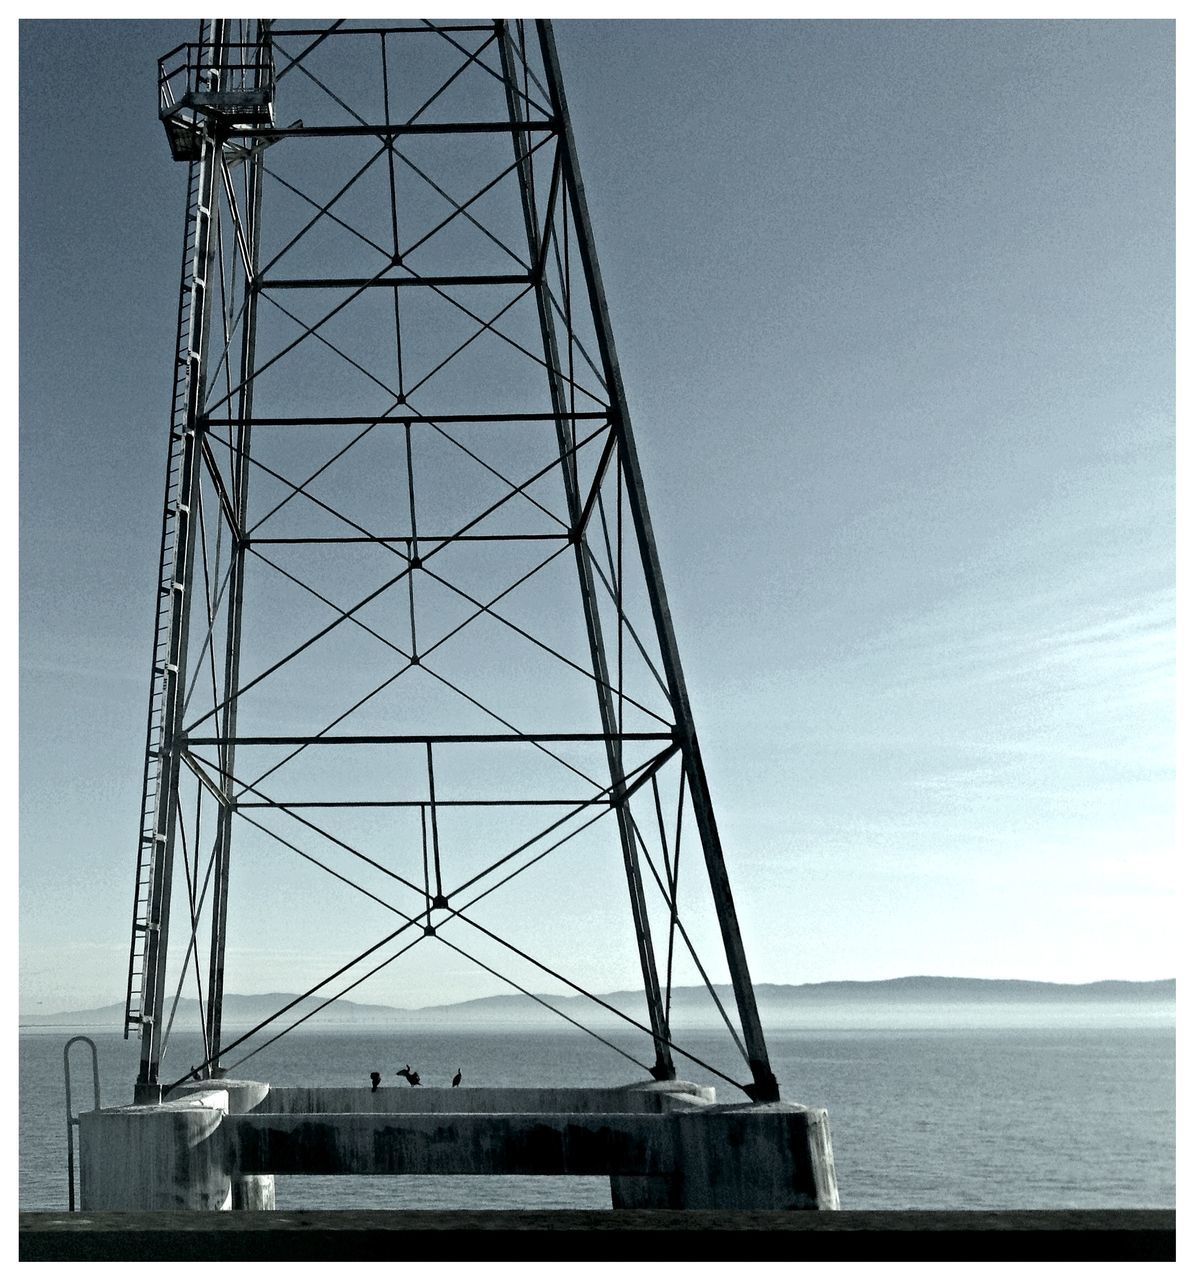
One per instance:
(404,531)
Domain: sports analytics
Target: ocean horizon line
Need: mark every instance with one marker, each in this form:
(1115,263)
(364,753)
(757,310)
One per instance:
(906,988)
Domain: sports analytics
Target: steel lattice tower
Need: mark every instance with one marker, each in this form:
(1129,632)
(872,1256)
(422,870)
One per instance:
(409,600)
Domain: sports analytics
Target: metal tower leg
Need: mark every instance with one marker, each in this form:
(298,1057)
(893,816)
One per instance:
(765,1088)
(244,411)
(664,1068)
(171,742)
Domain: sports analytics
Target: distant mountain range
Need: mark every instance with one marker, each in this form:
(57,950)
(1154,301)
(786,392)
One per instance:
(773,999)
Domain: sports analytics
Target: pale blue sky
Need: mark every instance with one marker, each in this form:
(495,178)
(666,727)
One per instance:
(894,305)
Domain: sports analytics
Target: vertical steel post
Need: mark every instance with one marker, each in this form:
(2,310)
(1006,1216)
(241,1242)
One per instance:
(182,573)
(244,412)
(765,1088)
(664,1068)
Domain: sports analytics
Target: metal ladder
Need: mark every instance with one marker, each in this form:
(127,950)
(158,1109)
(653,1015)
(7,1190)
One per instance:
(164,674)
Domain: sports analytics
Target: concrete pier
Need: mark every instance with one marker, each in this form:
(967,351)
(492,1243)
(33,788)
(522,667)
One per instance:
(170,1155)
(662,1146)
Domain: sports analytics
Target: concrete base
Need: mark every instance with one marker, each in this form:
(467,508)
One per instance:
(170,1155)
(254,1191)
(663,1146)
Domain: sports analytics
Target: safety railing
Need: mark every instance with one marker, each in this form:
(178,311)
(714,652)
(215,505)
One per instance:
(243,70)
(72,1120)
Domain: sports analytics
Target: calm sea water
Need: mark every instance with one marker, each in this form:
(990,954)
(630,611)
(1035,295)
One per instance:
(940,1117)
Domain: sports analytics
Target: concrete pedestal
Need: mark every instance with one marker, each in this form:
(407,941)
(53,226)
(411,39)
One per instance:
(664,1146)
(254,1191)
(168,1155)
(771,1155)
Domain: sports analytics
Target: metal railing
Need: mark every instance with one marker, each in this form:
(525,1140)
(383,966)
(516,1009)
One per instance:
(187,70)
(71,1119)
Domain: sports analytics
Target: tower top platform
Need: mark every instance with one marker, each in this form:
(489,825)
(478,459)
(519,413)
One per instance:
(238,89)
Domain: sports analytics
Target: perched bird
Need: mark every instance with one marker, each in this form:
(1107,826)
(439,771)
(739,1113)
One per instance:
(375,1076)
(411,1077)
(456,1078)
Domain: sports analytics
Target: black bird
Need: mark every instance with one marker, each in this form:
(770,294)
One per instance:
(375,1076)
(456,1078)
(411,1077)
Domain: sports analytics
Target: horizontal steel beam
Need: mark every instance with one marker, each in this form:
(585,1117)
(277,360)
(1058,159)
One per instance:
(406,537)
(423,739)
(406,419)
(393,282)
(272,132)
(278,32)
(422,804)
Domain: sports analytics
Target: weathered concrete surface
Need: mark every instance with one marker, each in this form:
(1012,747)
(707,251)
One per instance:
(243,1095)
(749,1157)
(763,1156)
(665,1146)
(249,1191)
(770,1156)
(650,1098)
(1147,1235)
(550,1143)
(171,1155)
(254,1191)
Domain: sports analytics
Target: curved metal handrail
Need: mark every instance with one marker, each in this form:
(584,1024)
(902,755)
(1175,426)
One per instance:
(71,1118)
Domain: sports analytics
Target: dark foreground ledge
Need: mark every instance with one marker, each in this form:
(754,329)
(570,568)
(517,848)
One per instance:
(1113,1235)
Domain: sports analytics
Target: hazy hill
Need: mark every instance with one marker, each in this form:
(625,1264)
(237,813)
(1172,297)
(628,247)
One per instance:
(773,999)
